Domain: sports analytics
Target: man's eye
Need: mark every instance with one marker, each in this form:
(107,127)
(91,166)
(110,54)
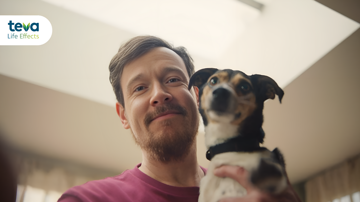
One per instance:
(140,88)
(173,80)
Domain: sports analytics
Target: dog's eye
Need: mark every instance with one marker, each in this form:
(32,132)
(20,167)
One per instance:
(245,87)
(214,81)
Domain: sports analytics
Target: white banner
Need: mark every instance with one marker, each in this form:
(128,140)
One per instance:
(24,30)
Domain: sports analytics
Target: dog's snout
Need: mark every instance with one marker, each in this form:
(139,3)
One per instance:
(221,97)
(221,93)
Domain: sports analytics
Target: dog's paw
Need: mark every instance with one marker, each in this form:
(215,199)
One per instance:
(269,176)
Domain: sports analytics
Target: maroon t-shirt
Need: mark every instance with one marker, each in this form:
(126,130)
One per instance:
(131,185)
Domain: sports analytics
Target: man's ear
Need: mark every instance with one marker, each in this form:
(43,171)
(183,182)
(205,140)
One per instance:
(196,89)
(121,113)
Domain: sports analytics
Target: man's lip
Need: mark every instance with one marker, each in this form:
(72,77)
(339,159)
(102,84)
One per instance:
(165,113)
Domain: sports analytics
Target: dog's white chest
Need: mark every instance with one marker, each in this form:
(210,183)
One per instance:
(213,188)
(216,133)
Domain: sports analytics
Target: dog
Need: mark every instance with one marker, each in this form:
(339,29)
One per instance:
(231,105)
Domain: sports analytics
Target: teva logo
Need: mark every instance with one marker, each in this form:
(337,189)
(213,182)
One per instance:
(18,26)
(24,30)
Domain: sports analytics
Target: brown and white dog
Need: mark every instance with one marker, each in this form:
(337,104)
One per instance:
(231,105)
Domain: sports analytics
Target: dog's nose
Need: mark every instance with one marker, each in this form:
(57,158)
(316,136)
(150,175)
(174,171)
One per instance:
(220,100)
(221,93)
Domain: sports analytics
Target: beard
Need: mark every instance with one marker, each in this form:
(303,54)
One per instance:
(173,145)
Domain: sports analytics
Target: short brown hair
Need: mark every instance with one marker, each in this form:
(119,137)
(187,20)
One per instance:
(135,48)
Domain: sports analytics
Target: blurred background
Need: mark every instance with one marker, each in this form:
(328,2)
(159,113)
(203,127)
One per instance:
(58,123)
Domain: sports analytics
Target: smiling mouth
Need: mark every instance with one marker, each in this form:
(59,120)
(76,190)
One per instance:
(164,112)
(165,116)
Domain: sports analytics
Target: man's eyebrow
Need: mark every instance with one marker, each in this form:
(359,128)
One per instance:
(173,69)
(133,80)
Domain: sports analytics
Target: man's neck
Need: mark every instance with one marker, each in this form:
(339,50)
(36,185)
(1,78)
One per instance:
(185,173)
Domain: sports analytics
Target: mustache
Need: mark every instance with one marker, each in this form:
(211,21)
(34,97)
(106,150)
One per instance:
(163,109)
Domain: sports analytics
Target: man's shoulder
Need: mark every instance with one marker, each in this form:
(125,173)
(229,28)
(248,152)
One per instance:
(103,189)
(102,184)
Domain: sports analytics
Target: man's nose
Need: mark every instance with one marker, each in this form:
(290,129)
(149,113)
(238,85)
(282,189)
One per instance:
(160,95)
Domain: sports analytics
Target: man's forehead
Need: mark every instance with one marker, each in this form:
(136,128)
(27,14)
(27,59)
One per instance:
(158,59)
(158,54)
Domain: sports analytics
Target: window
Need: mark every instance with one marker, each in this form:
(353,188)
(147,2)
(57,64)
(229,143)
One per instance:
(32,194)
(354,198)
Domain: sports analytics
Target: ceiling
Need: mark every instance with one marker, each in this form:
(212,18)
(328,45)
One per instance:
(196,25)
(56,100)
(83,43)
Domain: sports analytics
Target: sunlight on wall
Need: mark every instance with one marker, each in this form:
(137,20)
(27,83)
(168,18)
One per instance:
(355,198)
(32,194)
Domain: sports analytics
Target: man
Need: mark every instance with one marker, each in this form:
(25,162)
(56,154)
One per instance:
(150,80)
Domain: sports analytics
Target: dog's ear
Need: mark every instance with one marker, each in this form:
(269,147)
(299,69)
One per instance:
(266,87)
(200,77)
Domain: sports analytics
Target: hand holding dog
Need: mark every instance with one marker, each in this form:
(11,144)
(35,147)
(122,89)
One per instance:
(253,195)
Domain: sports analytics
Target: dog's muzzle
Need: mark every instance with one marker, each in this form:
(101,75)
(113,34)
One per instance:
(221,98)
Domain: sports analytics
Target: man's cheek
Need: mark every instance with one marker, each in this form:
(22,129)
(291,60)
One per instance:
(138,113)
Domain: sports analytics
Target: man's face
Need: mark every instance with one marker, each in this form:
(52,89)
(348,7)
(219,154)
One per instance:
(159,109)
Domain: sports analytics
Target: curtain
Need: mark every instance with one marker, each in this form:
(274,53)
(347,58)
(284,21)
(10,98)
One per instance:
(44,180)
(333,184)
